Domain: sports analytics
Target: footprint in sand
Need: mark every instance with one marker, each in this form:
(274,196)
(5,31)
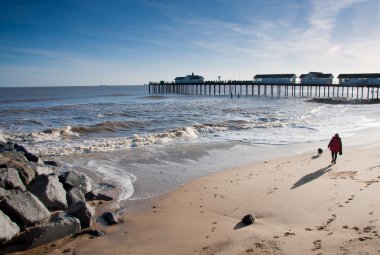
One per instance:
(289,234)
(214,228)
(317,245)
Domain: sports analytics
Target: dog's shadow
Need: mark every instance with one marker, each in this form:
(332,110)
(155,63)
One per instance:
(320,151)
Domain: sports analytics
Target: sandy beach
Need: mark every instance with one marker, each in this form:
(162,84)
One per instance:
(303,205)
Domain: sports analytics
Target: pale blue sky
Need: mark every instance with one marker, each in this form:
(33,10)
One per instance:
(91,42)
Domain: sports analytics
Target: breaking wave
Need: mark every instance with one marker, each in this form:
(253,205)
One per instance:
(75,140)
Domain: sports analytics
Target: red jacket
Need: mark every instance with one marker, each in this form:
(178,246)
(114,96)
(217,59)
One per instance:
(335,144)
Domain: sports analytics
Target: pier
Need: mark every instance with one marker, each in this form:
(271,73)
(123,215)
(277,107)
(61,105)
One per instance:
(250,88)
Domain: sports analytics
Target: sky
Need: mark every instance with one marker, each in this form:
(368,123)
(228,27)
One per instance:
(133,42)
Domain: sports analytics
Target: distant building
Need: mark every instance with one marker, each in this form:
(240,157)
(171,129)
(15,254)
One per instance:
(316,78)
(189,79)
(359,79)
(275,78)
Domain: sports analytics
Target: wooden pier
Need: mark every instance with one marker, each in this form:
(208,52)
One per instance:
(249,88)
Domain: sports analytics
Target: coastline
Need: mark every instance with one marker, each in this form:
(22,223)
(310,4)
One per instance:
(302,204)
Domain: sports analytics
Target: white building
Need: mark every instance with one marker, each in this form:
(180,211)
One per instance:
(275,78)
(316,78)
(191,78)
(359,79)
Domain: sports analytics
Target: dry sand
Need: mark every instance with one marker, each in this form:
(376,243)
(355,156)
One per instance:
(303,205)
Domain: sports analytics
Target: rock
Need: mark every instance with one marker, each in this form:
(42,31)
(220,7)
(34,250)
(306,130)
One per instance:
(248,219)
(9,179)
(110,218)
(14,155)
(3,194)
(92,195)
(52,163)
(74,178)
(25,172)
(20,148)
(14,147)
(41,169)
(8,228)
(83,212)
(2,146)
(7,147)
(52,231)
(50,191)
(24,208)
(75,195)
(33,158)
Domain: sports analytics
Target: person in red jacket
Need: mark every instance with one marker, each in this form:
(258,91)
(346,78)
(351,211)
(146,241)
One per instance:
(335,146)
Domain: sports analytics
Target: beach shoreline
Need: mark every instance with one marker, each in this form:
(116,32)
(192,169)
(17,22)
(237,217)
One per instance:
(302,203)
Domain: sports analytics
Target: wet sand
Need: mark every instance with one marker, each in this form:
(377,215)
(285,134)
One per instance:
(303,205)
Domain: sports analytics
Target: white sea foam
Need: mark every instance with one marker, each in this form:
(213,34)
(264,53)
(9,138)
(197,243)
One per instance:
(3,137)
(61,142)
(54,134)
(108,172)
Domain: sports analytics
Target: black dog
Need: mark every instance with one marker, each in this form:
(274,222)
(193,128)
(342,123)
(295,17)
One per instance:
(320,151)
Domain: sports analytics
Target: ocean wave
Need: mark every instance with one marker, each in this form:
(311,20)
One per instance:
(109,126)
(65,141)
(72,140)
(55,134)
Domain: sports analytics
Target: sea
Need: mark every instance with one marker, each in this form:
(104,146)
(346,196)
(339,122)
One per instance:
(144,145)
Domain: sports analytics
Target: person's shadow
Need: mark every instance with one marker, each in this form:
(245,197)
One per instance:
(312,176)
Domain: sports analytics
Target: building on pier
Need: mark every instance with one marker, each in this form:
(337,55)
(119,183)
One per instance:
(189,79)
(316,78)
(359,79)
(275,78)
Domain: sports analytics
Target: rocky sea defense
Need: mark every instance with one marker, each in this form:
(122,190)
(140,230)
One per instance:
(41,202)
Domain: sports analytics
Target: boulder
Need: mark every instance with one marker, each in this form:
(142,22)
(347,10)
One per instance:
(9,179)
(110,218)
(50,191)
(83,212)
(248,219)
(14,155)
(25,172)
(3,194)
(75,195)
(20,148)
(2,145)
(49,232)
(33,158)
(41,169)
(74,178)
(7,146)
(24,208)
(8,228)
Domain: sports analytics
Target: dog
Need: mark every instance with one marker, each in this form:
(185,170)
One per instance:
(320,151)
